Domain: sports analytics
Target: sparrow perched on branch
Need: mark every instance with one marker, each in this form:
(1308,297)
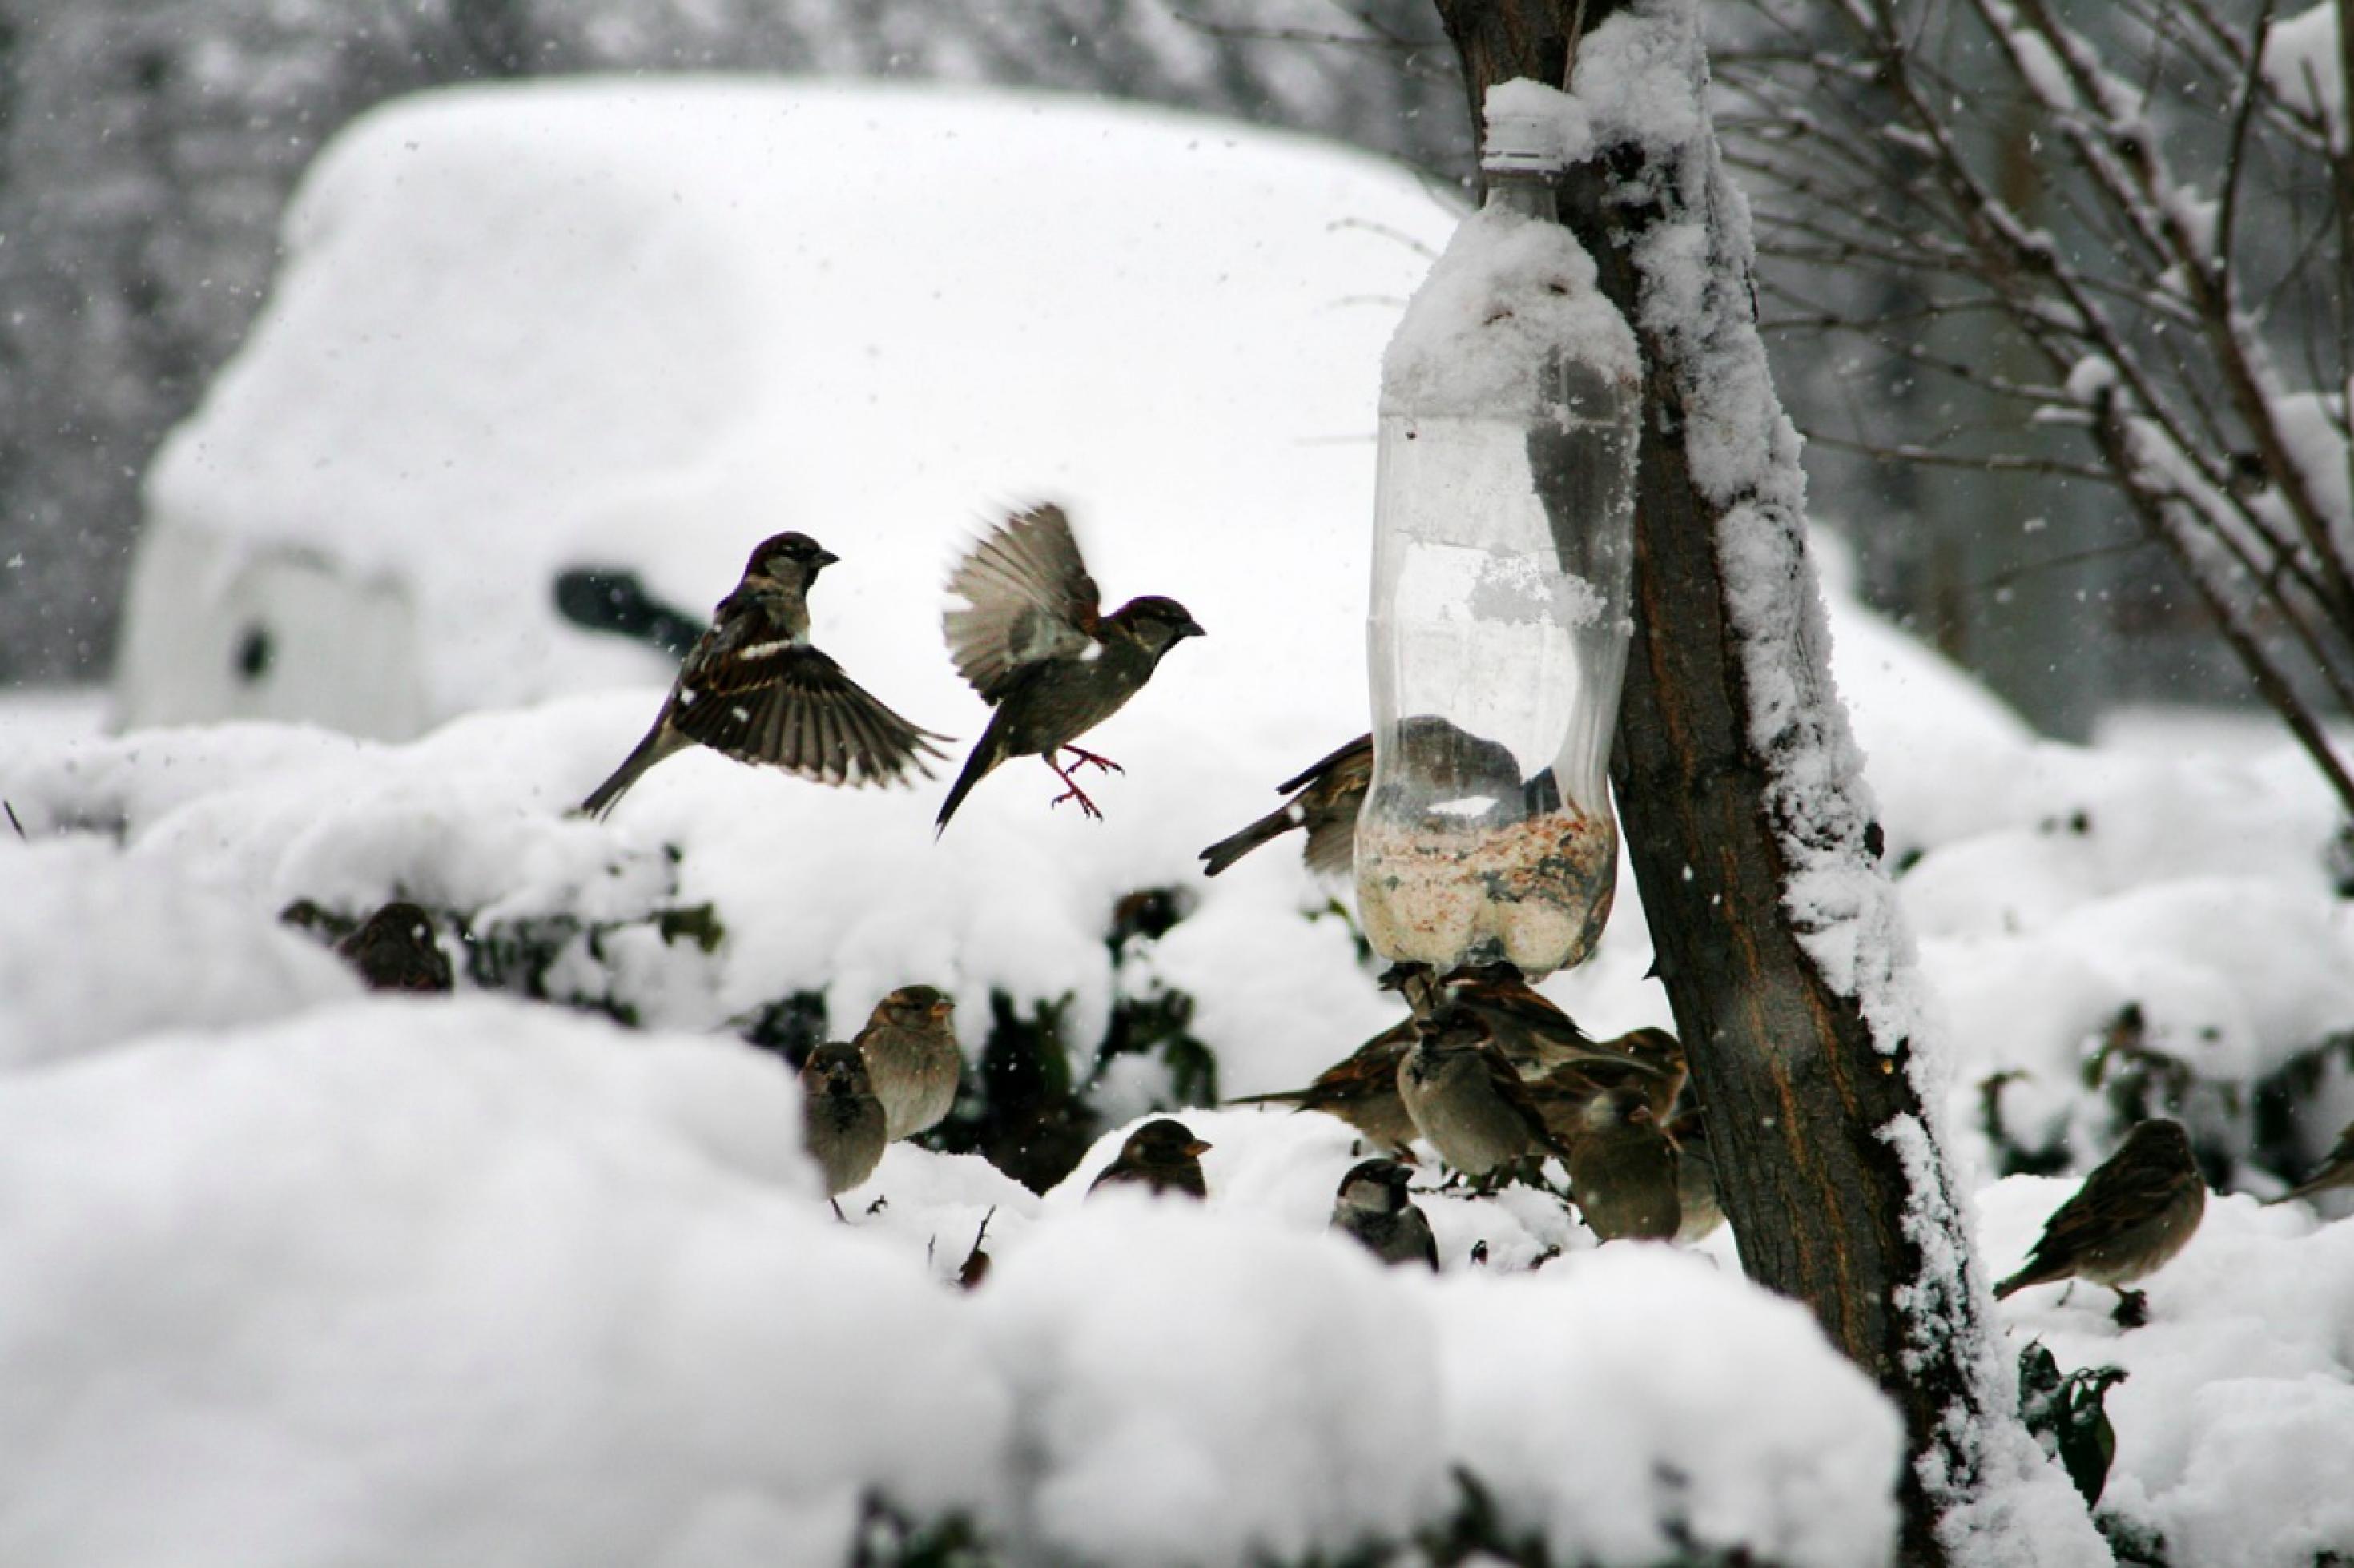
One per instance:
(910,1047)
(1162,1156)
(395,950)
(1372,1206)
(1622,1169)
(1033,642)
(1330,795)
(2337,1170)
(1362,1089)
(2133,1213)
(842,1121)
(752,688)
(1466,1097)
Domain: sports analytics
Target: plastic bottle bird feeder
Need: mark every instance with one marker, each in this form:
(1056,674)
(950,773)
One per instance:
(1503,556)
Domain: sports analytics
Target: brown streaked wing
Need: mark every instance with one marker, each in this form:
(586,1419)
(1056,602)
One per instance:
(1027,596)
(793,707)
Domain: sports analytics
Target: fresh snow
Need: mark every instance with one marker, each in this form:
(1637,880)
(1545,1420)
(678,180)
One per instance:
(297,1275)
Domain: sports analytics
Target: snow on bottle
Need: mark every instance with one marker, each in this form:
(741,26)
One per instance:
(1503,556)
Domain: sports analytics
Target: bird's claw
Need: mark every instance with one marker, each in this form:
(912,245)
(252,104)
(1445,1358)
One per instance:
(2133,1309)
(1085,756)
(1087,807)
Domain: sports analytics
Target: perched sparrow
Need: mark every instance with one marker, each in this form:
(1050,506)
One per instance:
(1564,1095)
(2338,1171)
(752,688)
(1660,1055)
(1362,1090)
(1032,642)
(1696,1196)
(1534,1035)
(1466,1098)
(1162,1155)
(1329,794)
(1372,1206)
(395,950)
(912,1059)
(2133,1213)
(1622,1169)
(842,1120)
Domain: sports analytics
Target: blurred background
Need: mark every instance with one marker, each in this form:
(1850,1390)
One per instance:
(148,148)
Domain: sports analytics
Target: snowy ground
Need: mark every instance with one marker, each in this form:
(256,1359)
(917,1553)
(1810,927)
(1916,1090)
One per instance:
(298,1275)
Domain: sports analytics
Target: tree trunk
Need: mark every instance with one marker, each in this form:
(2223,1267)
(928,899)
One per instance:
(1801,1097)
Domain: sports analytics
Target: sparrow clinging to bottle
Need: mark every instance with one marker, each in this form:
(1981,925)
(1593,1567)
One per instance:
(754,689)
(1330,793)
(1031,641)
(2133,1213)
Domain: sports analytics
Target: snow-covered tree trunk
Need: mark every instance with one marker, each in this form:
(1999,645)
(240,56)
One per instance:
(1746,816)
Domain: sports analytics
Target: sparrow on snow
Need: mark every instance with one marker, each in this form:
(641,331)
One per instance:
(912,1059)
(1162,1156)
(2133,1213)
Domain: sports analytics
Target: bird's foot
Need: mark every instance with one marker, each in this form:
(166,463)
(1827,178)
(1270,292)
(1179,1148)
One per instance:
(877,1206)
(1071,792)
(1086,758)
(2133,1309)
(837,1209)
(1087,807)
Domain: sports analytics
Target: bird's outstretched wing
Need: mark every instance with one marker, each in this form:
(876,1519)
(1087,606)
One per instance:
(1027,596)
(793,707)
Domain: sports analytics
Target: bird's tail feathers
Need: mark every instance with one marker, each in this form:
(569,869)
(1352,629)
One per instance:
(660,742)
(1228,851)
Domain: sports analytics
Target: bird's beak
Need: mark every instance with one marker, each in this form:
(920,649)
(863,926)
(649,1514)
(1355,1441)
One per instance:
(940,1010)
(1197,1148)
(824,558)
(1191,629)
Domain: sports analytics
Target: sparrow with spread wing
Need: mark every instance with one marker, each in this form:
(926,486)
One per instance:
(1031,641)
(752,688)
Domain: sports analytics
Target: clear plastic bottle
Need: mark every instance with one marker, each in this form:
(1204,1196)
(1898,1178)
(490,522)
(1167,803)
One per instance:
(1502,561)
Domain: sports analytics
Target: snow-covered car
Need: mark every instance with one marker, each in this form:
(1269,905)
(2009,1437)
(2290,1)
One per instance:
(631,328)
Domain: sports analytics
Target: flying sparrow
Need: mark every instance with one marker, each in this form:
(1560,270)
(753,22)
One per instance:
(2338,1171)
(1162,1156)
(395,950)
(912,1060)
(752,688)
(1362,1090)
(1031,641)
(842,1121)
(1622,1169)
(1466,1098)
(1329,794)
(2135,1212)
(1374,1207)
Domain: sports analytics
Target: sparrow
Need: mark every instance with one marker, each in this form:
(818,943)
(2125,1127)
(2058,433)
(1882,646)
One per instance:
(1534,1034)
(1622,1169)
(1435,762)
(842,1121)
(2338,1171)
(1362,1090)
(393,950)
(1696,1197)
(1564,1095)
(1031,640)
(1374,1207)
(1330,795)
(1661,1056)
(1466,1098)
(2135,1212)
(909,1045)
(1162,1156)
(752,688)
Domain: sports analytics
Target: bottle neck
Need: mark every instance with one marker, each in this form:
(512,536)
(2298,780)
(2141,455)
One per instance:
(1525,191)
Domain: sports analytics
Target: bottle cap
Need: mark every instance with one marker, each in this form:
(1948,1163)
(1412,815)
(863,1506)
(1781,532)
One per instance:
(1524,132)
